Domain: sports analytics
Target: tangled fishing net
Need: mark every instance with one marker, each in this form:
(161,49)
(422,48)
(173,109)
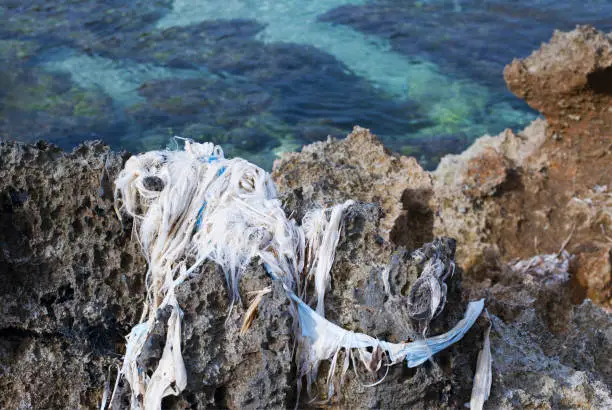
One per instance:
(195,205)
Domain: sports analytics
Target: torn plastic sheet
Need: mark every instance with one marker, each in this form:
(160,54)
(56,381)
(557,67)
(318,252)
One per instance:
(202,207)
(322,235)
(325,338)
(170,377)
(483,378)
(427,296)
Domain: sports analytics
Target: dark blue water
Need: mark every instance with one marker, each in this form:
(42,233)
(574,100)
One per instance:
(262,77)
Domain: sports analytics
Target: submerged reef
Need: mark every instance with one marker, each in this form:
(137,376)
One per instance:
(211,80)
(37,104)
(530,215)
(251,89)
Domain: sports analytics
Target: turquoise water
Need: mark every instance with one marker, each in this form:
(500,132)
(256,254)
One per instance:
(262,77)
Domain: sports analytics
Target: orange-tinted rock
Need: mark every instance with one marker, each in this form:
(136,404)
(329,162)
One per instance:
(594,272)
(469,186)
(547,187)
(567,76)
(485,173)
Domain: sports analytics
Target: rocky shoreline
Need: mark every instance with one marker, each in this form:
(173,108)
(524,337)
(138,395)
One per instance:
(531,213)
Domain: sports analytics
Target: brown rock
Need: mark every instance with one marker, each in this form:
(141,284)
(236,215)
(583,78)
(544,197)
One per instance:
(594,272)
(468,188)
(485,173)
(569,75)
(545,188)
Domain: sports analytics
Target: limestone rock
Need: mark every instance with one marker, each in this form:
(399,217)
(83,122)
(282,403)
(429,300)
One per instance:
(566,77)
(467,187)
(594,273)
(360,168)
(71,281)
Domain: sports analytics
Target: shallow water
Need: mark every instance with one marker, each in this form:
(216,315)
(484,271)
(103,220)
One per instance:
(262,77)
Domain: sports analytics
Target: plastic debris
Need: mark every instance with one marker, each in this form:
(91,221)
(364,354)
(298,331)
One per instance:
(482,380)
(427,296)
(106,392)
(195,205)
(107,402)
(188,207)
(391,268)
(170,377)
(322,235)
(553,268)
(324,340)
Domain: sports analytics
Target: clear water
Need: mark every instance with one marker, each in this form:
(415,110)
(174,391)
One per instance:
(262,77)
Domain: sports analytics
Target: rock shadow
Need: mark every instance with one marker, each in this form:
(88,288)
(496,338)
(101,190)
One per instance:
(414,227)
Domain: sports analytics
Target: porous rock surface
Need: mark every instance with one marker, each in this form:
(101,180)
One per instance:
(359,168)
(72,278)
(67,270)
(73,285)
(543,190)
(567,77)
(548,187)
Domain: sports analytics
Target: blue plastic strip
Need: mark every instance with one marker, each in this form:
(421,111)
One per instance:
(200,212)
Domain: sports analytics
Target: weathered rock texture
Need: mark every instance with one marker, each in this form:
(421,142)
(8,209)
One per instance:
(508,197)
(68,268)
(72,278)
(73,286)
(567,78)
(549,186)
(360,168)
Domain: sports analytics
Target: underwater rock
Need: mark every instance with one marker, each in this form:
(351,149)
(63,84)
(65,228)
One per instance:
(282,77)
(174,102)
(77,23)
(468,41)
(42,105)
(444,30)
(189,47)
(37,104)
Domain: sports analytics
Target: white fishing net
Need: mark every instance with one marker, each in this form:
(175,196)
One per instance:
(195,205)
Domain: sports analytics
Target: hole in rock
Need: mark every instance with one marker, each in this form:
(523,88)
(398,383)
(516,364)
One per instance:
(414,227)
(600,81)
